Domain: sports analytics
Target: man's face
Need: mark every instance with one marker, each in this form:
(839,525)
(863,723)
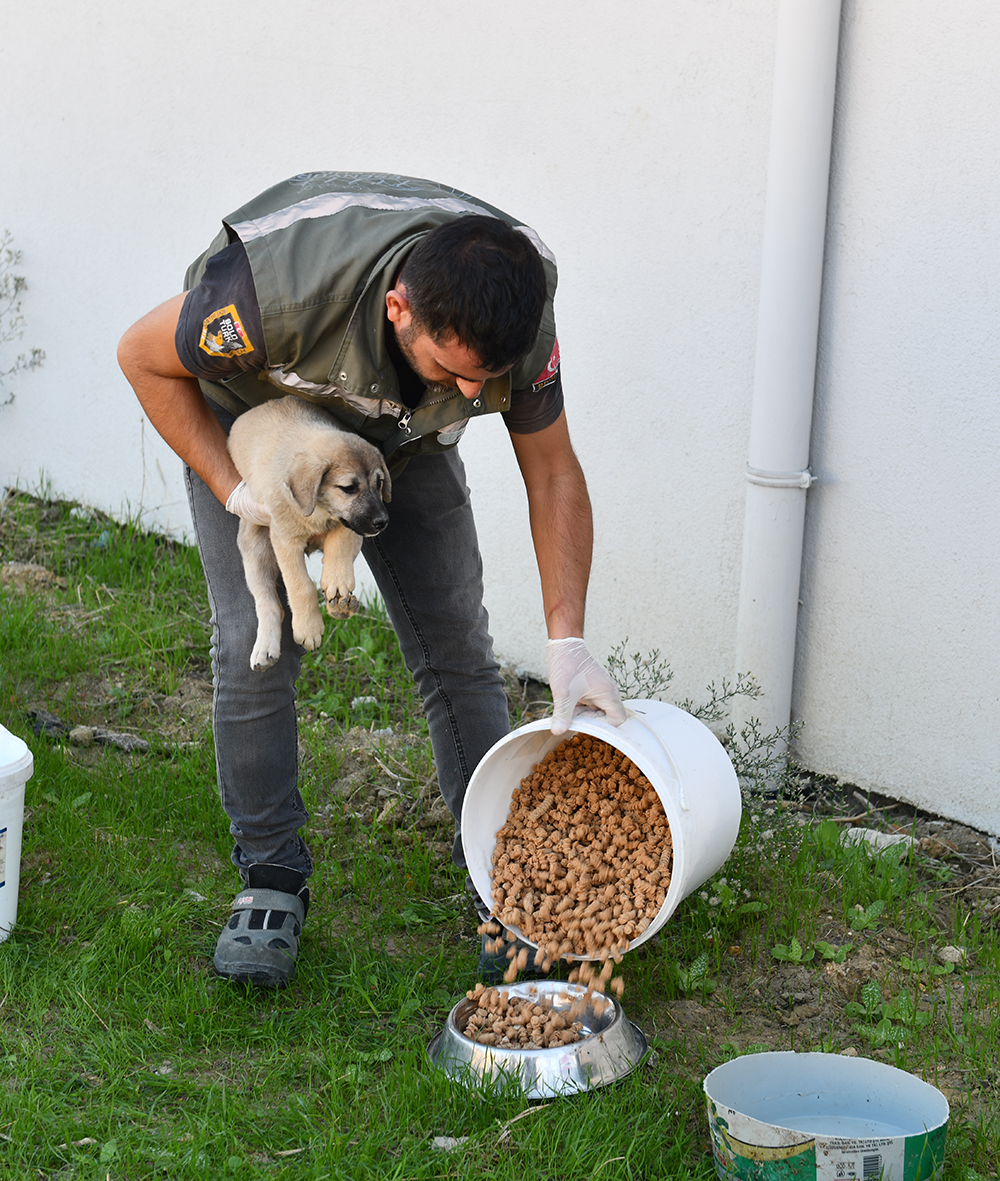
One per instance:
(445,364)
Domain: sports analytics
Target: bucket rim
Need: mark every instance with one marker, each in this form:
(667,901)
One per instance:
(892,1075)
(16,760)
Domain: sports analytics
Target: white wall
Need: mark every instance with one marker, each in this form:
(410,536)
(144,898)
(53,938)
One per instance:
(634,139)
(898,678)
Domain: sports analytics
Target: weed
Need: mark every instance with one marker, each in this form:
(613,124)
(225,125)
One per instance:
(793,952)
(759,758)
(11,319)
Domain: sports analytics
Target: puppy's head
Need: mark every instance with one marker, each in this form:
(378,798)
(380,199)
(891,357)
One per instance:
(348,484)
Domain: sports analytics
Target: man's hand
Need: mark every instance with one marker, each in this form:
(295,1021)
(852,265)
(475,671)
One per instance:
(242,504)
(577,679)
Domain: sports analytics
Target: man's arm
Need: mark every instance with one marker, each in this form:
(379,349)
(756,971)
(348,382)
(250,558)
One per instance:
(562,530)
(562,526)
(173,400)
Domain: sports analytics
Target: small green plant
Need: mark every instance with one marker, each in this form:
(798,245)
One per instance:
(887,1022)
(924,967)
(694,977)
(793,952)
(864,918)
(639,676)
(832,953)
(759,758)
(11,319)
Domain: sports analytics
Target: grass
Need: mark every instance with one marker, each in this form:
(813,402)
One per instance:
(122,1057)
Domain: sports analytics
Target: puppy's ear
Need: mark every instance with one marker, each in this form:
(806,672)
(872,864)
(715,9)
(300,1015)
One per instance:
(386,483)
(304,480)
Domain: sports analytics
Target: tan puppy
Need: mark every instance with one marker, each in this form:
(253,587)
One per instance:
(324,487)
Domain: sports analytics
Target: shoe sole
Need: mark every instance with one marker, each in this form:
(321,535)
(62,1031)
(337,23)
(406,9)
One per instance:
(252,974)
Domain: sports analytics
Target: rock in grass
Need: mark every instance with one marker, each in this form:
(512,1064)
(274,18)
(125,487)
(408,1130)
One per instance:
(879,842)
(42,722)
(129,743)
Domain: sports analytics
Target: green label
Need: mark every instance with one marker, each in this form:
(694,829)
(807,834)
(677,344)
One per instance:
(885,1158)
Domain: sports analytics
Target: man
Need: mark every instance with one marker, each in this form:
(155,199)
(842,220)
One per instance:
(405,309)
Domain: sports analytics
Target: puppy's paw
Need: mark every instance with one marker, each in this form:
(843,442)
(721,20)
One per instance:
(264,655)
(340,606)
(308,631)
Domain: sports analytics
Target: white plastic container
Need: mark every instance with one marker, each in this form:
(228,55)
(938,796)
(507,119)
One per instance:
(786,1116)
(679,755)
(16,766)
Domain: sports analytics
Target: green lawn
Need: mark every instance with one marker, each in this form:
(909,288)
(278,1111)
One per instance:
(122,1057)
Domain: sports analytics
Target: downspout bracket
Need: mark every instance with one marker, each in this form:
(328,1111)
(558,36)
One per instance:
(803,479)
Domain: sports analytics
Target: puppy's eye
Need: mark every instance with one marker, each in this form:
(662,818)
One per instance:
(349,488)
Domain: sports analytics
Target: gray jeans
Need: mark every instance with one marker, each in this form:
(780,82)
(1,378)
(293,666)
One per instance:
(429,571)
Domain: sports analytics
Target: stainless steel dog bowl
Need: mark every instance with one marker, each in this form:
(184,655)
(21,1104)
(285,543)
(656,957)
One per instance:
(611,1049)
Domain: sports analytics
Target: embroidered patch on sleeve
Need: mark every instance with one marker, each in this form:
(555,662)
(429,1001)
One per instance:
(549,373)
(223,334)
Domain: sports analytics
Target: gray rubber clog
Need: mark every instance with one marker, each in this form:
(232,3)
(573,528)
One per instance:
(260,942)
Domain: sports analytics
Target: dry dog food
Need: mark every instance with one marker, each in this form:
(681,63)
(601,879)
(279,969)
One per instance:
(517,1023)
(582,864)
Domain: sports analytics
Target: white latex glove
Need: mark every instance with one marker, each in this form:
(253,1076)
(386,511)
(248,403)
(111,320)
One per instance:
(576,678)
(241,504)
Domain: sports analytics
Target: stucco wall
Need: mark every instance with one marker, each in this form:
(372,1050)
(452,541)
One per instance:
(898,677)
(635,142)
(636,147)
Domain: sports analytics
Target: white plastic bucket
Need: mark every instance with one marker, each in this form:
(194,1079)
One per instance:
(681,758)
(16,765)
(786,1116)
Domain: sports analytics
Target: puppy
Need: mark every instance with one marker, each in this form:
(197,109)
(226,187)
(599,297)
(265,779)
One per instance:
(325,488)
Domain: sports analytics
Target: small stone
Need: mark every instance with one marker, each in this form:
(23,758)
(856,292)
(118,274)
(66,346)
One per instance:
(82,735)
(952,955)
(879,842)
(129,743)
(48,724)
(850,1052)
(448,1143)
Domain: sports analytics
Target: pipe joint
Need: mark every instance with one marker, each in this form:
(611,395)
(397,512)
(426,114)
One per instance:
(803,479)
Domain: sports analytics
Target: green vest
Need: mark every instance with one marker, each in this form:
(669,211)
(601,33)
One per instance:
(324,249)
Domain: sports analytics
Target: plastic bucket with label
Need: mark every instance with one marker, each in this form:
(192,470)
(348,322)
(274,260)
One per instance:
(681,758)
(16,765)
(786,1116)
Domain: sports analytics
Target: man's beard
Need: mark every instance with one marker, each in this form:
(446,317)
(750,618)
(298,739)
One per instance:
(404,339)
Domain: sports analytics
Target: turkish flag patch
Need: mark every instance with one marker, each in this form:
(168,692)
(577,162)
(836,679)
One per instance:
(223,334)
(549,373)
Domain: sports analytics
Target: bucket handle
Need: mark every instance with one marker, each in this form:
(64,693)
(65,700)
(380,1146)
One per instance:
(631,714)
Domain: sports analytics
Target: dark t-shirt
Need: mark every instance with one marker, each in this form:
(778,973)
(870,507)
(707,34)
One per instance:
(219,334)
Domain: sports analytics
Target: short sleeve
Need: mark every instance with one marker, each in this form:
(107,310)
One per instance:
(219,332)
(534,407)
(530,411)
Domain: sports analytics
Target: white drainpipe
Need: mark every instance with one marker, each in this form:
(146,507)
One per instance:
(785,370)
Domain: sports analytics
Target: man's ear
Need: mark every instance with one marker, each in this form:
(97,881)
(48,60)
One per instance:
(397,307)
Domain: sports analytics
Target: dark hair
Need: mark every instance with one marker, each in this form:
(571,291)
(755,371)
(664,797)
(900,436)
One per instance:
(481,279)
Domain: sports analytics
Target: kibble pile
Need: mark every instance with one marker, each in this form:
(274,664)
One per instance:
(517,1023)
(582,865)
